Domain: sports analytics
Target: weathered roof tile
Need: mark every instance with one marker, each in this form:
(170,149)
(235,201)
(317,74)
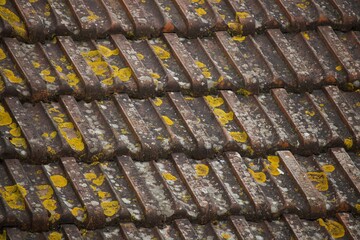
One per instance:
(145,68)
(343,226)
(148,129)
(42,19)
(93,195)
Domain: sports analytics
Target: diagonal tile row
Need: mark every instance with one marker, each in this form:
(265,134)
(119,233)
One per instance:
(96,69)
(342,226)
(40,19)
(39,197)
(149,129)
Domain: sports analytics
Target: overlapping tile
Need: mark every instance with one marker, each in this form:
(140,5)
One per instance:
(342,226)
(41,19)
(157,192)
(144,68)
(148,129)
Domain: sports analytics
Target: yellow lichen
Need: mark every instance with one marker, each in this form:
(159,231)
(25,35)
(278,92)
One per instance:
(198,1)
(36,64)
(47,12)
(306,35)
(357,207)
(2,85)
(200,64)
(49,204)
(54,217)
(225,235)
(78,211)
(58,181)
(14,196)
(250,150)
(2,54)
(19,142)
(168,176)
(221,78)
(242,15)
(99,67)
(124,74)
(204,69)
(110,208)
(201,170)
(167,120)
(92,16)
(11,76)
(44,191)
(14,130)
(3,234)
(140,56)
(304,4)
(200,11)
(259,177)
(157,102)
(72,79)
(161,53)
(108,81)
(338,68)
(328,168)
(236,27)
(5,118)
(321,179)
(58,68)
(214,101)
(243,92)
(76,141)
(99,180)
(90,176)
(51,135)
(206,74)
(239,38)
(103,194)
(55,236)
(335,228)
(50,150)
(239,136)
(154,75)
(273,167)
(348,142)
(105,51)
(310,113)
(224,117)
(14,21)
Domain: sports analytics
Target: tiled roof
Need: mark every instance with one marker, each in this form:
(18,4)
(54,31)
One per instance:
(40,19)
(40,197)
(179,119)
(147,129)
(342,226)
(97,68)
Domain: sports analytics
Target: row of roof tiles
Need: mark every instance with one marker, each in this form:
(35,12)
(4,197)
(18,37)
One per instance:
(342,226)
(148,129)
(40,197)
(95,69)
(39,19)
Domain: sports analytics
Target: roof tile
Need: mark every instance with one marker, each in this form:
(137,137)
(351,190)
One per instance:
(148,129)
(342,225)
(151,193)
(145,68)
(42,19)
